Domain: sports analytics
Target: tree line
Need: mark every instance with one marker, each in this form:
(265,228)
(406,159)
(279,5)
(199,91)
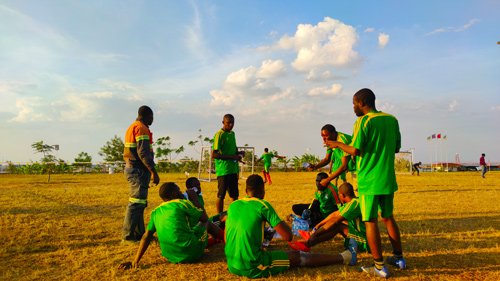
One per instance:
(165,154)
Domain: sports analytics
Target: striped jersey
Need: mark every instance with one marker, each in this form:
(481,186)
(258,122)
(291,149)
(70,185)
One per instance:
(376,134)
(138,151)
(245,232)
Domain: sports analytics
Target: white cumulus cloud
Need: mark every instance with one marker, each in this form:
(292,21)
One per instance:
(272,69)
(329,43)
(251,82)
(325,91)
(383,39)
(369,29)
(318,76)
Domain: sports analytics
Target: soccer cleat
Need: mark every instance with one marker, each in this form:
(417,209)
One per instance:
(372,270)
(401,263)
(299,246)
(354,258)
(304,234)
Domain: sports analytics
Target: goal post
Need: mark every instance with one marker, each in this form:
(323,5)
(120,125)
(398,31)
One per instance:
(206,166)
(403,162)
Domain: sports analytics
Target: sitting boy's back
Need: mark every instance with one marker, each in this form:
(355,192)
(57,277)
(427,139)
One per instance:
(244,233)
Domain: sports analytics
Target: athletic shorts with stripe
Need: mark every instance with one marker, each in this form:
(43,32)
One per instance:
(372,204)
(273,262)
(201,235)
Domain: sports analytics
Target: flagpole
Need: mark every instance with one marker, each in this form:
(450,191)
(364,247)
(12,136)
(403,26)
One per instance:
(441,153)
(446,145)
(430,150)
(436,152)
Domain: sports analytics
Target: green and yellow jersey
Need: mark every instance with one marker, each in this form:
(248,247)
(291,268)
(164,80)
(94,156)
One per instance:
(244,236)
(376,135)
(176,222)
(225,143)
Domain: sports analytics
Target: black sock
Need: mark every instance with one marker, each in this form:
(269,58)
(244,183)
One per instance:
(398,255)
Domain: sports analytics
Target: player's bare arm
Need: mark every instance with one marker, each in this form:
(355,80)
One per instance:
(346,148)
(193,197)
(321,163)
(284,230)
(338,172)
(145,241)
(329,217)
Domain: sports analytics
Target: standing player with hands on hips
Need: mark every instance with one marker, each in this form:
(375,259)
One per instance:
(376,139)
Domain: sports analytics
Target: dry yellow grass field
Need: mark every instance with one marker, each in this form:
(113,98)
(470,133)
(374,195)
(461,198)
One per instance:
(70,229)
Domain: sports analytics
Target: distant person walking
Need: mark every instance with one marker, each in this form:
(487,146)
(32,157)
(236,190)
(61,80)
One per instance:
(483,165)
(415,168)
(139,166)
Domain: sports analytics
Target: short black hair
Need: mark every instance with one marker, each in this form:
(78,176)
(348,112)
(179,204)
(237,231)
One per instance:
(483,154)
(329,128)
(189,182)
(228,116)
(145,111)
(266,150)
(347,190)
(366,96)
(323,175)
(255,184)
(166,190)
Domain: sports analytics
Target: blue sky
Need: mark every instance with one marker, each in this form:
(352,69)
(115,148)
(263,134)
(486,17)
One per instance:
(74,73)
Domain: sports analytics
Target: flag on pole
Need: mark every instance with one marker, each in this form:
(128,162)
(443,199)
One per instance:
(434,136)
(429,138)
(439,136)
(444,137)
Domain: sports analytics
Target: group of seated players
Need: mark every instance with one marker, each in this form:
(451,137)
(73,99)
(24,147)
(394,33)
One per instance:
(183,228)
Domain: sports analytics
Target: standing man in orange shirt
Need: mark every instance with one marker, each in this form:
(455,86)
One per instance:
(139,168)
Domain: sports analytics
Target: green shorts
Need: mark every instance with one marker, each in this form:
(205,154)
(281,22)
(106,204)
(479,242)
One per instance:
(371,204)
(200,244)
(272,263)
(266,168)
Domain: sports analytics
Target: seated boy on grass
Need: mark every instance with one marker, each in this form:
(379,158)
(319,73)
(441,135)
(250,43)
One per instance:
(219,219)
(326,201)
(347,221)
(182,227)
(244,235)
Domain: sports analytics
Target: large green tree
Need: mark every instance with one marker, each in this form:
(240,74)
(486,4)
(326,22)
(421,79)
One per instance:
(113,149)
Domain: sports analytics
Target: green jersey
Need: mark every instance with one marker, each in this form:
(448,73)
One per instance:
(245,232)
(337,154)
(329,201)
(225,143)
(174,221)
(376,135)
(267,158)
(352,213)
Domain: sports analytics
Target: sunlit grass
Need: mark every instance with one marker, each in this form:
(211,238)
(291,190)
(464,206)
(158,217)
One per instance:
(70,229)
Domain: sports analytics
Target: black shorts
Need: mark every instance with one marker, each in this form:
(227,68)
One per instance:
(228,183)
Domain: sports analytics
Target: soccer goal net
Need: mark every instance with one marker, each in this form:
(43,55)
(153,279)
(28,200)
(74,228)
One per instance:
(206,168)
(403,162)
